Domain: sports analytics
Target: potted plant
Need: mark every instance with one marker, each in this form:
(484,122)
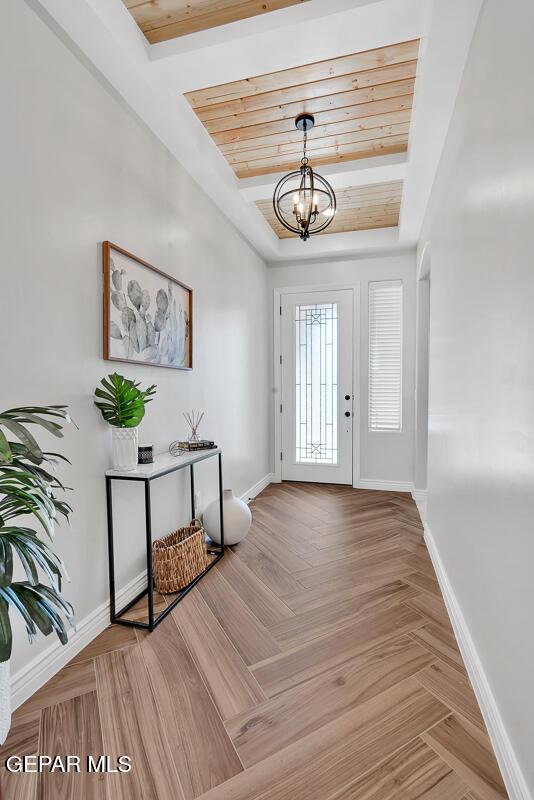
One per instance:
(28,488)
(122,405)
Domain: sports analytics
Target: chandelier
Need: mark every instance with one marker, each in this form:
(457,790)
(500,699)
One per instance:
(303,201)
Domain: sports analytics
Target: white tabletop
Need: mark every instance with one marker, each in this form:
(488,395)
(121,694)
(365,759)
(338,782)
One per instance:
(164,462)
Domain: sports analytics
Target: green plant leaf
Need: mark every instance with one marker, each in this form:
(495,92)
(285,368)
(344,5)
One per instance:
(40,473)
(40,616)
(35,614)
(58,411)
(52,427)
(41,602)
(6,563)
(53,457)
(11,595)
(50,613)
(22,451)
(121,402)
(6,638)
(6,454)
(28,488)
(26,561)
(20,496)
(28,547)
(23,434)
(50,567)
(48,594)
(40,607)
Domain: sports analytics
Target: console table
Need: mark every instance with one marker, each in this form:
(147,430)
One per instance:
(146,473)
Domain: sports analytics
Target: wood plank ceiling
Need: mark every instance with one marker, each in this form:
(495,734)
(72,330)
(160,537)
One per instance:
(358,208)
(362,105)
(161,20)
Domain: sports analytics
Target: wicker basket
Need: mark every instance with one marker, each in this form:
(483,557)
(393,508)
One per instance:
(178,558)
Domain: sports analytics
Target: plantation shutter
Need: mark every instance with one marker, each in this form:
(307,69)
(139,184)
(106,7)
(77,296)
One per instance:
(385,355)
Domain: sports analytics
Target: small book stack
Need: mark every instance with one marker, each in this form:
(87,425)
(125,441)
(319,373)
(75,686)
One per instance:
(190,447)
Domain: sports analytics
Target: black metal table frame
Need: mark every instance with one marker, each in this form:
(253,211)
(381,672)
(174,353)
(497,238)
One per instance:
(116,616)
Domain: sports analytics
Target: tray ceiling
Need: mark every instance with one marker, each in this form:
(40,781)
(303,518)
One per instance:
(358,208)
(308,70)
(362,104)
(161,20)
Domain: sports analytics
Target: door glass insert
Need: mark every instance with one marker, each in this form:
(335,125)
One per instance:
(316,383)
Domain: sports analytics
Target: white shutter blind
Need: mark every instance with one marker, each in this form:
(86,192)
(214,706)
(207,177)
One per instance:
(385,355)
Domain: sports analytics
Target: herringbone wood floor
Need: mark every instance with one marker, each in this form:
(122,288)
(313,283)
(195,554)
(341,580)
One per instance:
(316,662)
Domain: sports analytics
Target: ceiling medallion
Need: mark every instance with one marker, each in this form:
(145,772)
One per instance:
(303,201)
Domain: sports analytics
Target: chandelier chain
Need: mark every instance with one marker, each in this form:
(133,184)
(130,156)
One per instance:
(304,160)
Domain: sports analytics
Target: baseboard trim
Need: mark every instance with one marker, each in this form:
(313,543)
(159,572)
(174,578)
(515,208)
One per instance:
(383,486)
(45,665)
(420,498)
(511,771)
(258,487)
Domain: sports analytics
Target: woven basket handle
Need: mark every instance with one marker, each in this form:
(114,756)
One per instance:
(195,523)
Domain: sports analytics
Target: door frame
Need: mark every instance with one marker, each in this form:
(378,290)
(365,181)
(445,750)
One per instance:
(277,369)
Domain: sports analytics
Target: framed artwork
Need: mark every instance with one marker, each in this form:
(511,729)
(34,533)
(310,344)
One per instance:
(147,313)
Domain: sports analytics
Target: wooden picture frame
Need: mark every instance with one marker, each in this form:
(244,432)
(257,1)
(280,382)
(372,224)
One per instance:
(148,314)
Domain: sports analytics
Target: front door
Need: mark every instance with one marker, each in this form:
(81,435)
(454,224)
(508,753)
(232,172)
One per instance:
(317,395)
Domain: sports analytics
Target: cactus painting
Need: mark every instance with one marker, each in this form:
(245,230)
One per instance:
(147,314)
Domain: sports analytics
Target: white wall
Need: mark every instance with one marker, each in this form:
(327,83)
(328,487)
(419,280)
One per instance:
(384,456)
(78,168)
(481,446)
(422,335)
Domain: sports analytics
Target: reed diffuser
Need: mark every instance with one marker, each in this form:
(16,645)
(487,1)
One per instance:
(193,419)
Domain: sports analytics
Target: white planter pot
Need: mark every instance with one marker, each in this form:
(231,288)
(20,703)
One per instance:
(125,441)
(5,701)
(237,519)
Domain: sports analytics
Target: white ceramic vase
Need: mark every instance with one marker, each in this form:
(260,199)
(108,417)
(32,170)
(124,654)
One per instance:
(5,701)
(125,442)
(237,519)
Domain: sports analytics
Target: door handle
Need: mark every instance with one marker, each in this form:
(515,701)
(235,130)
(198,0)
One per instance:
(347,413)
(347,397)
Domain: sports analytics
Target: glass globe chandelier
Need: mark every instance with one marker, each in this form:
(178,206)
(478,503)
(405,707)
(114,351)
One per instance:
(303,201)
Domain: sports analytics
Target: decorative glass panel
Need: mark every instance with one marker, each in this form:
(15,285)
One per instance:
(316,383)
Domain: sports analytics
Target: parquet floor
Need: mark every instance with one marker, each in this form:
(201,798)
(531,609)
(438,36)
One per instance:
(316,662)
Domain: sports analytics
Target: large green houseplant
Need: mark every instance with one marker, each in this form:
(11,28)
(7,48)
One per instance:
(122,404)
(28,488)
